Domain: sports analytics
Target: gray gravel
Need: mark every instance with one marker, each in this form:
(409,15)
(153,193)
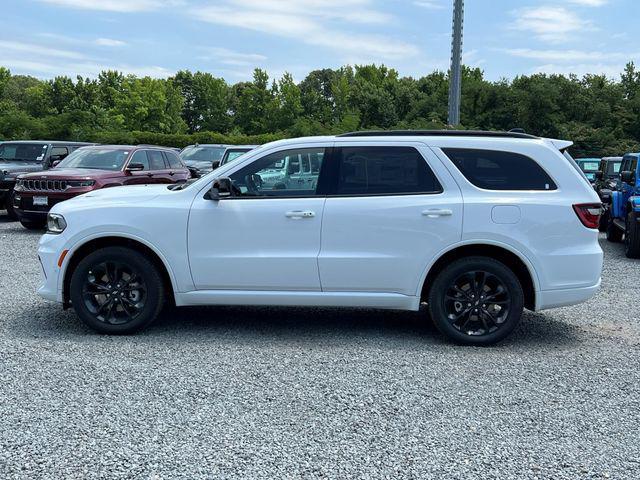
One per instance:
(305,393)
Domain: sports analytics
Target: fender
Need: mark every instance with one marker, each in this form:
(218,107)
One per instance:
(78,244)
(635,203)
(616,205)
(476,241)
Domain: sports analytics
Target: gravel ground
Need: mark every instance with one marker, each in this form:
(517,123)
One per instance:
(306,393)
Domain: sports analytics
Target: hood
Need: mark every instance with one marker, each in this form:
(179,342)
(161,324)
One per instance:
(73,173)
(7,167)
(200,165)
(127,195)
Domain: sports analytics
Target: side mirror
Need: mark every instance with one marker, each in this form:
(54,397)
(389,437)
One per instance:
(221,188)
(135,167)
(215,164)
(627,177)
(599,175)
(55,163)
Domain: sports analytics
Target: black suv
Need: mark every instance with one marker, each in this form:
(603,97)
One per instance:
(25,156)
(607,178)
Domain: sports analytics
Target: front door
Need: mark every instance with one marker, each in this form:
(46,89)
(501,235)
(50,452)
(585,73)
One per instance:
(265,237)
(392,210)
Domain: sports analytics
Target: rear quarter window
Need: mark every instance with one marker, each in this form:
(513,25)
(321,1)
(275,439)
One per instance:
(499,170)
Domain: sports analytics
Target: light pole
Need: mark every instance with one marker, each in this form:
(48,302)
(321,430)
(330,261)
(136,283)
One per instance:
(455,73)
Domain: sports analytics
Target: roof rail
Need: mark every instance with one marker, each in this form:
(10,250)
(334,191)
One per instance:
(437,133)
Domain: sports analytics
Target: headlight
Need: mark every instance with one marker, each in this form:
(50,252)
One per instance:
(55,223)
(81,183)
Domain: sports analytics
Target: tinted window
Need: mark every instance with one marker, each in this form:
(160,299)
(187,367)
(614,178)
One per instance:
(174,160)
(156,160)
(23,151)
(494,170)
(202,153)
(613,168)
(383,170)
(279,174)
(61,151)
(95,158)
(140,157)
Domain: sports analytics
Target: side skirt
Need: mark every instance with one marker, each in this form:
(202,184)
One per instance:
(389,301)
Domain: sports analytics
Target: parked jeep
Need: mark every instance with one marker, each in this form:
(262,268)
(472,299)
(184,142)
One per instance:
(231,153)
(589,166)
(18,157)
(607,179)
(624,210)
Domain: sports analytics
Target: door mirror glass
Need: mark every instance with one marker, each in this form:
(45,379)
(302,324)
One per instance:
(221,188)
(135,167)
(215,164)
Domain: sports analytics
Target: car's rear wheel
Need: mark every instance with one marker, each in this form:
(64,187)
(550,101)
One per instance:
(33,224)
(476,301)
(11,212)
(632,236)
(116,290)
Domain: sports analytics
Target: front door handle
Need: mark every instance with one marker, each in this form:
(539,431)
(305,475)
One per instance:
(300,214)
(436,212)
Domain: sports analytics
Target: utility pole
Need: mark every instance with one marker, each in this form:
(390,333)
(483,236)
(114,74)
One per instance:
(455,73)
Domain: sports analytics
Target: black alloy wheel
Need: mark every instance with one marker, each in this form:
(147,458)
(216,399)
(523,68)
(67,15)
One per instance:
(116,290)
(476,301)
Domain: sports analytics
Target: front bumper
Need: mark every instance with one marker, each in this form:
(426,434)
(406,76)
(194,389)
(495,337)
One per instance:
(25,209)
(49,250)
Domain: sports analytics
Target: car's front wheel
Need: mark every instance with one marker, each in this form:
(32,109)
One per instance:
(476,301)
(116,290)
(11,211)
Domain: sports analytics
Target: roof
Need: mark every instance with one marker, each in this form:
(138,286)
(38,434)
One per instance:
(437,133)
(128,147)
(63,142)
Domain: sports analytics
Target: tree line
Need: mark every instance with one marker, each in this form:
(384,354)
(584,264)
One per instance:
(601,115)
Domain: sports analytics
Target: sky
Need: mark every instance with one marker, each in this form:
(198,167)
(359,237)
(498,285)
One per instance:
(229,38)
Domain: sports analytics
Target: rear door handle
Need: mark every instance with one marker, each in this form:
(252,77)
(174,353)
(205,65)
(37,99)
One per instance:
(435,213)
(300,214)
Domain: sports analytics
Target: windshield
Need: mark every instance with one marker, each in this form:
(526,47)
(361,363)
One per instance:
(202,154)
(613,168)
(96,159)
(33,152)
(231,155)
(589,165)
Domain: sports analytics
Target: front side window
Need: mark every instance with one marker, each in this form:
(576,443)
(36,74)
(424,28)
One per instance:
(29,152)
(383,171)
(59,152)
(96,159)
(279,174)
(499,170)
(613,168)
(140,158)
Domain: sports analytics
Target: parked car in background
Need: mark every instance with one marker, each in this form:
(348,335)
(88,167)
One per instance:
(23,156)
(477,225)
(93,168)
(624,209)
(231,153)
(199,158)
(589,166)
(607,179)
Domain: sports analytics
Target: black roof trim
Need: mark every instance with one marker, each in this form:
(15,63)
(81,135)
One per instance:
(437,133)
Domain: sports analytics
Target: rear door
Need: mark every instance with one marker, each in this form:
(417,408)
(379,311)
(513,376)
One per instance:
(177,171)
(160,171)
(392,209)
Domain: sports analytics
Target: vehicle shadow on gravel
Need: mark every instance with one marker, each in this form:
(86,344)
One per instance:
(261,324)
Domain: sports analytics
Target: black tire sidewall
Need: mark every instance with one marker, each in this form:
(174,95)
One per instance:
(11,212)
(142,266)
(447,276)
(632,240)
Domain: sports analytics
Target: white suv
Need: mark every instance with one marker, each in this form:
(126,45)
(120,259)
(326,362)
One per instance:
(477,225)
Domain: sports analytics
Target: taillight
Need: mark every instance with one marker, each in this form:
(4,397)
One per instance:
(589,214)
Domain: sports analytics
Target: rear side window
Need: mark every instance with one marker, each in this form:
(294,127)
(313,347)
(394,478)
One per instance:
(173,160)
(384,170)
(496,170)
(156,160)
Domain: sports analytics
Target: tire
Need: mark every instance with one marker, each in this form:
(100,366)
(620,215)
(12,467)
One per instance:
(33,224)
(604,221)
(117,291)
(11,212)
(614,234)
(632,236)
(449,301)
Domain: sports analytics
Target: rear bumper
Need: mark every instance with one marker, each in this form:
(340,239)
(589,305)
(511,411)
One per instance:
(565,297)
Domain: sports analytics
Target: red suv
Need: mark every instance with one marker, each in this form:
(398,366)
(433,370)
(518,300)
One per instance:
(91,168)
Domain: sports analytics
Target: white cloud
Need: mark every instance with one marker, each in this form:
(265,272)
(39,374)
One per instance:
(431,4)
(590,3)
(123,6)
(109,42)
(571,56)
(550,24)
(611,70)
(34,49)
(231,57)
(307,21)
